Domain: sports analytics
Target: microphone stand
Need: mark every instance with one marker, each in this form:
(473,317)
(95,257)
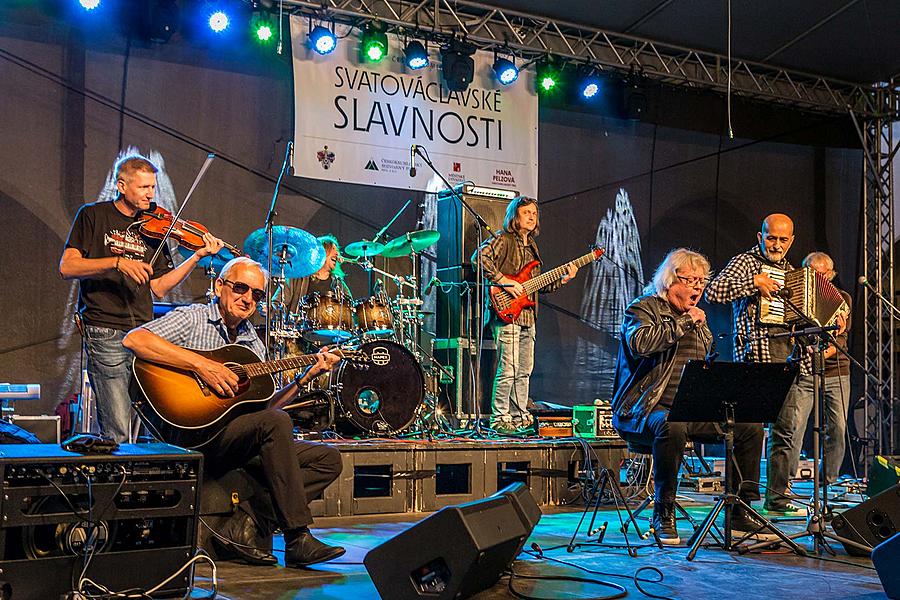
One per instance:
(380,235)
(815,522)
(891,305)
(270,224)
(481,306)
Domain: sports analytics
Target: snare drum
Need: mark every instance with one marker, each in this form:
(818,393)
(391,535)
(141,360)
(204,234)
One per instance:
(328,318)
(373,315)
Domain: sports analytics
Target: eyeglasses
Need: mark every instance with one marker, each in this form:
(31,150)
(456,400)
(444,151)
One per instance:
(240,288)
(693,281)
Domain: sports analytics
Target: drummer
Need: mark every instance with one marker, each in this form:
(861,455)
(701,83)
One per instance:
(329,278)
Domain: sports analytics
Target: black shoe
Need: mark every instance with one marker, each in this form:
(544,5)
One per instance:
(302,549)
(663,523)
(744,523)
(240,532)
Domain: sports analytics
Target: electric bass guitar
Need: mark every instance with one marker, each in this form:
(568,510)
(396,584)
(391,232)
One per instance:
(509,307)
(181,409)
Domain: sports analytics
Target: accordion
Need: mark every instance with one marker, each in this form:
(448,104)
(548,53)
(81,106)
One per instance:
(816,298)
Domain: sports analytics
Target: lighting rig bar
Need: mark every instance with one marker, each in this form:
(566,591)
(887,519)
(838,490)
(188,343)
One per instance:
(531,36)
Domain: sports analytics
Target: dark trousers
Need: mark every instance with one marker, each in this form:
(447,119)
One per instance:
(295,472)
(668,441)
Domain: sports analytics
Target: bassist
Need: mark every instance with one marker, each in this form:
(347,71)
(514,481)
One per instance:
(500,257)
(295,472)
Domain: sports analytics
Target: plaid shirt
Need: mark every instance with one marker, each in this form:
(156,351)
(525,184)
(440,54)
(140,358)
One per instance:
(734,284)
(200,327)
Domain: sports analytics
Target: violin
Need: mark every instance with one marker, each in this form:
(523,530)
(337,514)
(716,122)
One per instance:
(157,221)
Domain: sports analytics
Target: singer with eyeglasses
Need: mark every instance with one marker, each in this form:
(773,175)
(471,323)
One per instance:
(110,259)
(747,284)
(663,330)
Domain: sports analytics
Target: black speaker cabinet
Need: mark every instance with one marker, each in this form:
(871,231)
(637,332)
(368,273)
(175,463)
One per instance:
(871,522)
(885,559)
(459,239)
(140,504)
(456,552)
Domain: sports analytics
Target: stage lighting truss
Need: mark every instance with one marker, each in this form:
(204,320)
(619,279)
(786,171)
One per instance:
(505,69)
(373,43)
(322,39)
(416,54)
(457,65)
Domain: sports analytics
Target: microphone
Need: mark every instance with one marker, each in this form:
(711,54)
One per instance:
(434,281)
(412,160)
(290,156)
(863,281)
(784,292)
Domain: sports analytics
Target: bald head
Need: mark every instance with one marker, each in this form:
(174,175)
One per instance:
(776,236)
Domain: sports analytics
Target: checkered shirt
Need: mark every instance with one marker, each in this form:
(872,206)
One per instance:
(201,327)
(734,284)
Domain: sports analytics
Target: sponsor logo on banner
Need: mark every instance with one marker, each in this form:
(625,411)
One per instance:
(374,112)
(325,157)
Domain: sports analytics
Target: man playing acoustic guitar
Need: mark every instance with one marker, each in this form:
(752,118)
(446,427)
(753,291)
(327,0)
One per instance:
(295,471)
(506,255)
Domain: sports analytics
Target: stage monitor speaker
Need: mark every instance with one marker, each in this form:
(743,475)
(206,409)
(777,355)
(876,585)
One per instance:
(459,240)
(884,472)
(871,522)
(886,559)
(140,504)
(456,552)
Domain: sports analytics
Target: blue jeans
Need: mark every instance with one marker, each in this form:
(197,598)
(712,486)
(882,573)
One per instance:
(515,361)
(786,434)
(109,369)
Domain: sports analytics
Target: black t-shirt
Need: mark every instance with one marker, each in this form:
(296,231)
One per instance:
(112,300)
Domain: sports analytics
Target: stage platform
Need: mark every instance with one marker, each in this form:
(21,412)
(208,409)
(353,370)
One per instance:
(713,575)
(387,476)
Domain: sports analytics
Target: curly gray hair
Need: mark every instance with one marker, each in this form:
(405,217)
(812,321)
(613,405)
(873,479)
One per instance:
(667,271)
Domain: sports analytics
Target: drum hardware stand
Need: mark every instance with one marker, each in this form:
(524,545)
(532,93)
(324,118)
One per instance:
(378,236)
(269,226)
(816,520)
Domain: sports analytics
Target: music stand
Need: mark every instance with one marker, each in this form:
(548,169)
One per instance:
(729,393)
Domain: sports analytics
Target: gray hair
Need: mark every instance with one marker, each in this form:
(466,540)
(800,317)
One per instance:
(820,257)
(242,260)
(667,270)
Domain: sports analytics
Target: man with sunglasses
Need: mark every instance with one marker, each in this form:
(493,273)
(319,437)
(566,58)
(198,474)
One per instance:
(117,284)
(295,472)
(661,332)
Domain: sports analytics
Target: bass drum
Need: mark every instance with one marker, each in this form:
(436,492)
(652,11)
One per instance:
(383,398)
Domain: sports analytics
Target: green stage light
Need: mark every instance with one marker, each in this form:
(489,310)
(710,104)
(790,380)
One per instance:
(548,77)
(263,27)
(374,43)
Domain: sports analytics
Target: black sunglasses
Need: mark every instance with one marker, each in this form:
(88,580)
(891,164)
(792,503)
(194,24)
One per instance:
(240,288)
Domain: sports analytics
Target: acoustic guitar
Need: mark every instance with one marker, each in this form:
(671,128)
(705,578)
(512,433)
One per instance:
(179,408)
(509,307)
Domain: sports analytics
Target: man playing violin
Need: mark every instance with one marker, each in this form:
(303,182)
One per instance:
(110,258)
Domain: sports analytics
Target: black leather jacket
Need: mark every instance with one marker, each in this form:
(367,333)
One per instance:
(650,333)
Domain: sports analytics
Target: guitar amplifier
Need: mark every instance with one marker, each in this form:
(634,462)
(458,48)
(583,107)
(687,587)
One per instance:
(140,504)
(593,421)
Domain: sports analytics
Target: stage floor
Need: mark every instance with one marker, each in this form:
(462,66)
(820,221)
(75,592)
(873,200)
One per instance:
(713,574)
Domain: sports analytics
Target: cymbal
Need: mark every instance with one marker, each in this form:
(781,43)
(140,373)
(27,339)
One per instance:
(218,260)
(363,248)
(413,241)
(302,253)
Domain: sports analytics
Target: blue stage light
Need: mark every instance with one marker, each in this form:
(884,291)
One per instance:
(322,40)
(89,4)
(589,89)
(506,70)
(416,55)
(218,21)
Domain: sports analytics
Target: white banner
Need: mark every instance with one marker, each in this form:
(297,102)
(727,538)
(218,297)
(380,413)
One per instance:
(355,122)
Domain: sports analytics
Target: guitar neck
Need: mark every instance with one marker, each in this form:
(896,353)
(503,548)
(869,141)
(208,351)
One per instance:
(533,285)
(283,364)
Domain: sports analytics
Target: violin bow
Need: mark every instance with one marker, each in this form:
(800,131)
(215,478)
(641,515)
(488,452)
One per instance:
(209,158)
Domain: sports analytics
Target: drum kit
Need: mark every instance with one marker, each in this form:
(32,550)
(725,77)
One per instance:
(398,392)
